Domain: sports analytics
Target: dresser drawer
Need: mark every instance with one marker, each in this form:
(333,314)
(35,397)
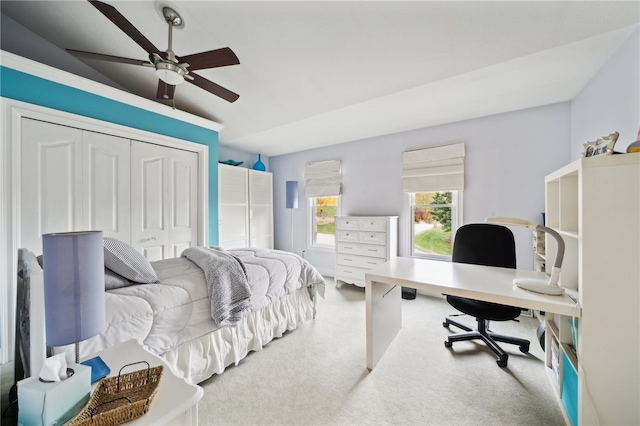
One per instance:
(350,275)
(348,236)
(373,224)
(362,249)
(347,223)
(373,237)
(358,261)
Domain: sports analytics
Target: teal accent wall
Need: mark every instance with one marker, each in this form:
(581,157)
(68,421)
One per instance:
(35,90)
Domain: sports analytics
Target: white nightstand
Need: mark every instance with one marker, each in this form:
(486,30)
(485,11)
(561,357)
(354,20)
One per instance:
(176,401)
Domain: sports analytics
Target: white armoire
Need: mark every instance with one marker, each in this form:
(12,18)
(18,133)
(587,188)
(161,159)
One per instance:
(245,207)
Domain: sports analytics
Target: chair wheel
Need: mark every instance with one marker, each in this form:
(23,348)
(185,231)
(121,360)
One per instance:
(501,363)
(447,344)
(524,349)
(445,324)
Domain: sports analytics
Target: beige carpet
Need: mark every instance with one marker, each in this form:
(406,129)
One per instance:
(317,374)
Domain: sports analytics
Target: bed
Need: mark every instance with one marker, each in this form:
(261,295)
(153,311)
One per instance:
(172,313)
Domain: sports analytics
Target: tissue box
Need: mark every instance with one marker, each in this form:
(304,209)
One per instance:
(54,403)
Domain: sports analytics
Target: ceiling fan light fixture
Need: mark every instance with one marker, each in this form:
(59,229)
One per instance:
(170,73)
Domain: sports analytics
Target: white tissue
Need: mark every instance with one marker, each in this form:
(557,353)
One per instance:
(54,368)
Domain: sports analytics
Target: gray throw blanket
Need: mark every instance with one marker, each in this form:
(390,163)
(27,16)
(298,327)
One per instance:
(227,283)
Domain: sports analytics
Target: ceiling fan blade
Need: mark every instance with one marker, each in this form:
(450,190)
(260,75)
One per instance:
(165,91)
(110,58)
(211,59)
(127,27)
(214,88)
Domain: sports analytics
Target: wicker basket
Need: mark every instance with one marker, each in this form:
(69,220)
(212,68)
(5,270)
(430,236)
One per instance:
(120,399)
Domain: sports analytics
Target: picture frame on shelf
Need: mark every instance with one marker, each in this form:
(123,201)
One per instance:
(601,146)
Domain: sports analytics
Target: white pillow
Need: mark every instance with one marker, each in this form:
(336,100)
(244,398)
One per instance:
(124,260)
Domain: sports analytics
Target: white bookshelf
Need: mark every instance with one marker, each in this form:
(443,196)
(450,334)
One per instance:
(594,203)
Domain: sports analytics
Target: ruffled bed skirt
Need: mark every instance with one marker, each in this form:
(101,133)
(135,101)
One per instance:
(201,358)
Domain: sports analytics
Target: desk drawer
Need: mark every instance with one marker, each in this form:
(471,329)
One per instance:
(362,249)
(358,261)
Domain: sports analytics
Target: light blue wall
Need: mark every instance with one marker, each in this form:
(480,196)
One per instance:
(28,88)
(610,101)
(507,158)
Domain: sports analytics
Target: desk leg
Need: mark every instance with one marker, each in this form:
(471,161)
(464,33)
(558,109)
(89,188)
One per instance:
(384,318)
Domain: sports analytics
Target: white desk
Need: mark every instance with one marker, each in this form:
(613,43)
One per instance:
(383,294)
(175,403)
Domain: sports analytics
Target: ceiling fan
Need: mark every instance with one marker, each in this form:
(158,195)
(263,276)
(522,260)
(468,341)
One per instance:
(170,69)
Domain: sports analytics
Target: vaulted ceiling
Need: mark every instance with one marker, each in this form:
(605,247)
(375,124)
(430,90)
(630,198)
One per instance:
(316,73)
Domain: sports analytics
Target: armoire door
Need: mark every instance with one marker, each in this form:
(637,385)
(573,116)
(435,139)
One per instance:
(261,209)
(233,207)
(163,200)
(71,180)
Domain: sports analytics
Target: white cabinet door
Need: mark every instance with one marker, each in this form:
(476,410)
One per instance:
(233,206)
(164,204)
(72,180)
(261,209)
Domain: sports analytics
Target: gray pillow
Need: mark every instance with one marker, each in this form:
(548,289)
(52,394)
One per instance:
(113,280)
(124,260)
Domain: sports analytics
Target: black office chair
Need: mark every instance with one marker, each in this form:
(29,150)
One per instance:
(490,245)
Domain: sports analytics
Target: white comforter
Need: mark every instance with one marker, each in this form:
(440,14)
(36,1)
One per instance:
(177,310)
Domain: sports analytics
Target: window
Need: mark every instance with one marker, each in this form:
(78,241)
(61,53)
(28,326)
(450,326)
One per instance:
(433,180)
(434,218)
(323,186)
(323,221)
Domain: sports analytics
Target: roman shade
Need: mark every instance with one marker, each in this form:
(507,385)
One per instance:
(323,179)
(439,168)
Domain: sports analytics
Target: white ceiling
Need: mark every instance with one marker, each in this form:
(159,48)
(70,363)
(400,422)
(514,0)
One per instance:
(318,73)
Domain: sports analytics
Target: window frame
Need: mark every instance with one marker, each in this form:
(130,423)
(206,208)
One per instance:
(408,214)
(311,224)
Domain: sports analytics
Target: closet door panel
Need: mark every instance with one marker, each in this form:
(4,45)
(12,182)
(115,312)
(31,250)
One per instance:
(148,207)
(183,200)
(107,166)
(51,181)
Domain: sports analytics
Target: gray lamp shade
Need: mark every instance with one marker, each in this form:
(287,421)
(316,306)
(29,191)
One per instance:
(292,194)
(74,298)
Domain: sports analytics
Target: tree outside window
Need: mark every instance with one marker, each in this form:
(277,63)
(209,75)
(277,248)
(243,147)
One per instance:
(434,219)
(324,221)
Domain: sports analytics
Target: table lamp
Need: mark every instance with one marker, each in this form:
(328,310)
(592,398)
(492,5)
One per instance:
(74,298)
(292,202)
(550,287)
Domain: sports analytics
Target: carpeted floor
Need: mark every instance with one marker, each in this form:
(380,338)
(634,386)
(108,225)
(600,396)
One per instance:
(317,374)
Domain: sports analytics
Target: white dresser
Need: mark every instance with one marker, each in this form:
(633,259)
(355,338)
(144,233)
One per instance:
(361,243)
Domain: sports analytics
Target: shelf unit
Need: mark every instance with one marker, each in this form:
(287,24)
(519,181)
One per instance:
(594,203)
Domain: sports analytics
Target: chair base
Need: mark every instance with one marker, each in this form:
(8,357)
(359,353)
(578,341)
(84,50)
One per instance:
(489,338)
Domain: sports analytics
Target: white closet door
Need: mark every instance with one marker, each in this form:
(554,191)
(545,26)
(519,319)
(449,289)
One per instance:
(164,200)
(183,200)
(149,208)
(261,209)
(106,171)
(233,206)
(51,181)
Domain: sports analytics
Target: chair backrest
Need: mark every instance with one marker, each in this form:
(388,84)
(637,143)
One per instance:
(484,244)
